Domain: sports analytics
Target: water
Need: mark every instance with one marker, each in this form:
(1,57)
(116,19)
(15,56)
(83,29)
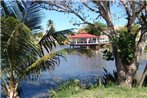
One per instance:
(79,66)
(74,66)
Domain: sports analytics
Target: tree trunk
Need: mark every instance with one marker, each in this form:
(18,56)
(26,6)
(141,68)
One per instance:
(12,94)
(12,91)
(144,74)
(126,74)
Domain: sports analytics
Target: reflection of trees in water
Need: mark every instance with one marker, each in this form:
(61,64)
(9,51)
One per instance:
(76,65)
(88,64)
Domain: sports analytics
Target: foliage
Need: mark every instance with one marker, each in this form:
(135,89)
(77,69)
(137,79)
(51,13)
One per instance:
(17,45)
(73,89)
(52,37)
(20,54)
(108,78)
(28,12)
(107,55)
(65,89)
(39,35)
(121,29)
(93,30)
(126,42)
(135,28)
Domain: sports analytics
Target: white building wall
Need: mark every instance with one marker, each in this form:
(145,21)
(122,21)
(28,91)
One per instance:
(103,39)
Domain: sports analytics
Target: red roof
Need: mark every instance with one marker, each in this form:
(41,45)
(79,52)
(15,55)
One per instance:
(83,34)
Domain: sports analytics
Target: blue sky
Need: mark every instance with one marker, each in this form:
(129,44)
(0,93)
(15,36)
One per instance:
(63,21)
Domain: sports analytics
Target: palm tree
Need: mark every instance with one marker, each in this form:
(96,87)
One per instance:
(20,54)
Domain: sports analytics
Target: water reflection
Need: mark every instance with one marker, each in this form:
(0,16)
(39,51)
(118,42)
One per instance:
(79,66)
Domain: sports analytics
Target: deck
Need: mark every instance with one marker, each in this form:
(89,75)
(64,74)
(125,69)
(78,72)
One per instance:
(88,44)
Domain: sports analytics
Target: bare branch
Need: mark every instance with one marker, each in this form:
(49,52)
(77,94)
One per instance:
(132,12)
(86,5)
(141,38)
(104,10)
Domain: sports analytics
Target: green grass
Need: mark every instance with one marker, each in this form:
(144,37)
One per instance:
(73,89)
(112,92)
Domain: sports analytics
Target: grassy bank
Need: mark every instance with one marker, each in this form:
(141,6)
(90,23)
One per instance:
(73,89)
(112,92)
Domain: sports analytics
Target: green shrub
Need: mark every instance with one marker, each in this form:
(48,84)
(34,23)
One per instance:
(108,78)
(66,88)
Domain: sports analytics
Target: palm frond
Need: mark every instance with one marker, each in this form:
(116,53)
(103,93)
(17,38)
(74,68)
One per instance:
(17,44)
(51,39)
(28,12)
(52,59)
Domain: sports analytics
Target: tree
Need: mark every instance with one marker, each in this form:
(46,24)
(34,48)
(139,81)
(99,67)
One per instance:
(20,55)
(135,13)
(92,30)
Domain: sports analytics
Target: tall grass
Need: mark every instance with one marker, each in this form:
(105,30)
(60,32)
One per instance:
(73,89)
(66,88)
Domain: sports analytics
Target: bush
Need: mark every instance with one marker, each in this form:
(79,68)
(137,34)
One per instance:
(108,78)
(66,89)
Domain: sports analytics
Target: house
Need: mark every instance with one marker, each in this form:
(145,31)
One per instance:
(85,39)
(103,39)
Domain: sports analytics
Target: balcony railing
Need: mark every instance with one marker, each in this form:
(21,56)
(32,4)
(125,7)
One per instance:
(88,43)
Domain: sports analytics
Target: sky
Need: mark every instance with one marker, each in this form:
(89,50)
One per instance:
(62,21)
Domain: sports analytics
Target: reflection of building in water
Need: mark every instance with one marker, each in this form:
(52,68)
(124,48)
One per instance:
(85,39)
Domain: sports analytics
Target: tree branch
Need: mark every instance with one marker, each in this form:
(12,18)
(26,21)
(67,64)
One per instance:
(85,4)
(141,37)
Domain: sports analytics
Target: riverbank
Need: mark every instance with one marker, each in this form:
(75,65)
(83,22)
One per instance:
(72,89)
(112,92)
(39,89)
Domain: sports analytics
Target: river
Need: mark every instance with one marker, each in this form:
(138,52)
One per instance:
(75,66)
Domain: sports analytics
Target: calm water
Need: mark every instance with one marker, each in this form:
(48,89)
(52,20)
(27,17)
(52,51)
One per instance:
(81,66)
(74,66)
